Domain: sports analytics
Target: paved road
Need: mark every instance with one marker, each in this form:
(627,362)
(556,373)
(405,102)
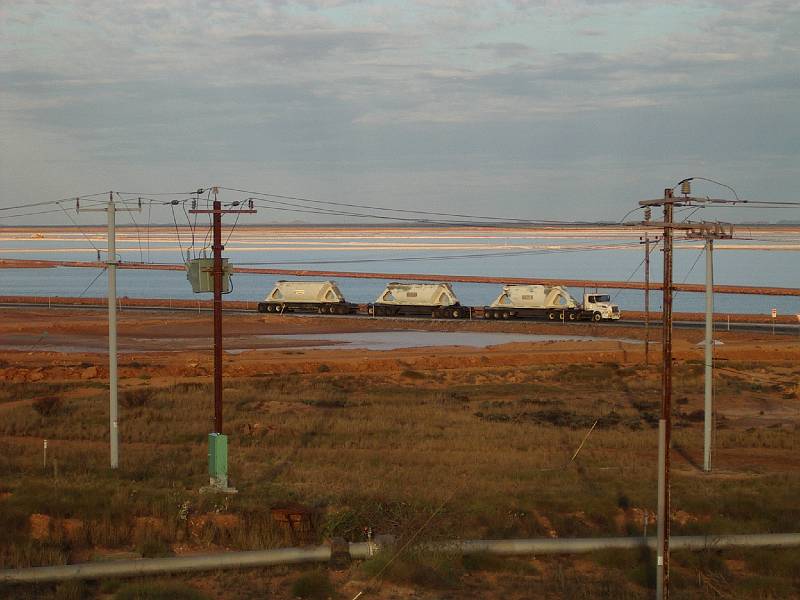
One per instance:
(734,326)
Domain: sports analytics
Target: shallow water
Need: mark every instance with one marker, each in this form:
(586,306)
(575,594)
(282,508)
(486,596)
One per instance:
(392,340)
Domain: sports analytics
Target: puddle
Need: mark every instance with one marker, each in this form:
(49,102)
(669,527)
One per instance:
(361,340)
(392,340)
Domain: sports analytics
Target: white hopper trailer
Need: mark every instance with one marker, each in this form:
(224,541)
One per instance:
(437,300)
(323,297)
(549,302)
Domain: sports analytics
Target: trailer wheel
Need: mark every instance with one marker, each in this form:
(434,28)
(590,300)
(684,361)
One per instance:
(487,314)
(572,316)
(455,313)
(269,308)
(434,314)
(597,317)
(551,315)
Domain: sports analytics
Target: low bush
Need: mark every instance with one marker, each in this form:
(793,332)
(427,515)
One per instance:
(47,406)
(158,591)
(313,585)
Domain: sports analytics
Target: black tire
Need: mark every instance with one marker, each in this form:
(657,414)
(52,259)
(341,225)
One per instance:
(551,315)
(597,317)
(487,314)
(506,315)
(434,314)
(455,313)
(268,308)
(572,316)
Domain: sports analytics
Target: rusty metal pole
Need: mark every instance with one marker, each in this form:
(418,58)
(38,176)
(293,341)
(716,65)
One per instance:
(646,299)
(217,273)
(665,422)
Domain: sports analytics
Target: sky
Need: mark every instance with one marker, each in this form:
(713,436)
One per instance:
(530,109)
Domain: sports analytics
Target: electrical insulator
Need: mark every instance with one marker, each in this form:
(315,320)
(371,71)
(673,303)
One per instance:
(647,214)
(194,204)
(200,191)
(77,204)
(140,204)
(175,202)
(250,204)
(686,187)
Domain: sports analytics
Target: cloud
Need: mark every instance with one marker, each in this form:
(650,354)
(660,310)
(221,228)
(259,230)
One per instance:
(457,86)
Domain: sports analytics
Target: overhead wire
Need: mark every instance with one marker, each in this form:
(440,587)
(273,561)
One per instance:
(656,242)
(47,202)
(395,210)
(81,230)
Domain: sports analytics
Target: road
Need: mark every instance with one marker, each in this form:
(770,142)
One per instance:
(779,328)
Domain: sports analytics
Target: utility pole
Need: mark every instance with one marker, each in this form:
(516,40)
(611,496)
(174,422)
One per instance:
(111,266)
(709,234)
(646,300)
(708,392)
(218,443)
(646,241)
(665,421)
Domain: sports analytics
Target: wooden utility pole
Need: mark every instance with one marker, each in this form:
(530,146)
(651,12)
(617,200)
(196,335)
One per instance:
(218,451)
(646,241)
(665,421)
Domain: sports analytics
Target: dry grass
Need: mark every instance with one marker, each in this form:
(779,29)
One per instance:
(488,448)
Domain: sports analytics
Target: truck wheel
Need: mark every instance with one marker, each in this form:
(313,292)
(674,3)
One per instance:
(506,315)
(455,313)
(572,316)
(551,316)
(487,314)
(597,317)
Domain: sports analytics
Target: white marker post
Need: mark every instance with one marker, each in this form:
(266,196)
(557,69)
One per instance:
(774,316)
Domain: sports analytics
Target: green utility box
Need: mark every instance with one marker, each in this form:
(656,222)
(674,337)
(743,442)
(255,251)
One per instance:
(218,459)
(200,273)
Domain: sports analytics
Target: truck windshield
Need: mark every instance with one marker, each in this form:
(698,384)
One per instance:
(603,298)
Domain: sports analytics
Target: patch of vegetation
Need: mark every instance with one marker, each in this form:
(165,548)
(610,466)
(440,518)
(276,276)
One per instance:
(313,585)
(137,397)
(158,591)
(417,567)
(48,406)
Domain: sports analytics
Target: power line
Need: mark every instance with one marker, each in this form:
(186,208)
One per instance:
(396,210)
(47,202)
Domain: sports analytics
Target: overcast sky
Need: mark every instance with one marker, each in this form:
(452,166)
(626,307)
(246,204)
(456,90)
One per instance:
(523,108)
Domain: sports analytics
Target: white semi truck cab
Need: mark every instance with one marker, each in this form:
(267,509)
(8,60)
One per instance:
(601,307)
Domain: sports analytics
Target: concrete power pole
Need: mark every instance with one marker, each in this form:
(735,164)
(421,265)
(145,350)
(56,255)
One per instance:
(111,266)
(709,234)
